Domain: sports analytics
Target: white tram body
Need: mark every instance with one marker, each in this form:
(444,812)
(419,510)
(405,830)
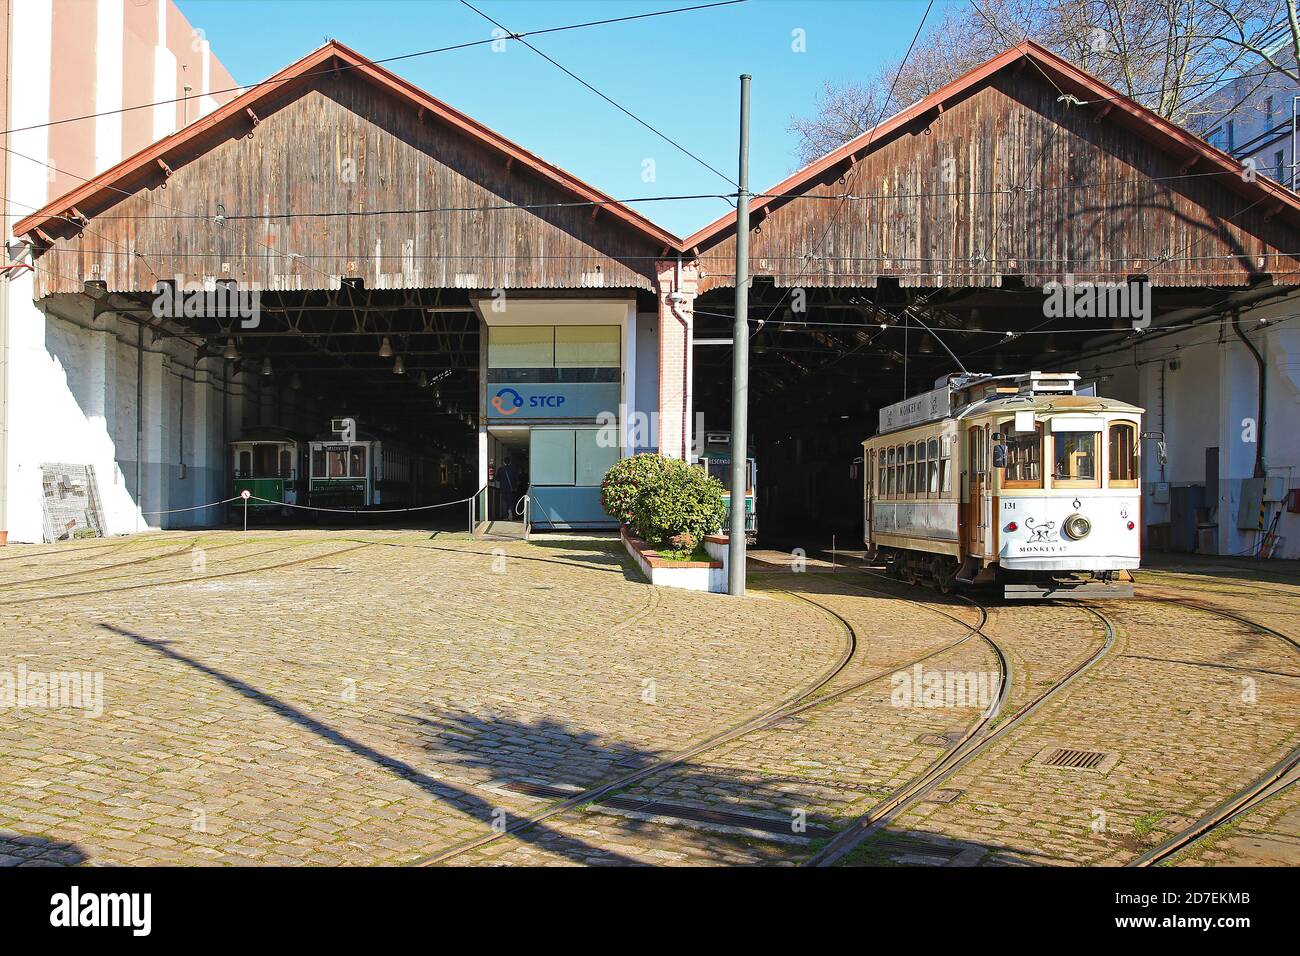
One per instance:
(1015,480)
(352,470)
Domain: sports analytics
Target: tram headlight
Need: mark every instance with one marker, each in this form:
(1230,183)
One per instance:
(1076,527)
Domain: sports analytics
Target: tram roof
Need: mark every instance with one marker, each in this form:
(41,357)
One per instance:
(1049,402)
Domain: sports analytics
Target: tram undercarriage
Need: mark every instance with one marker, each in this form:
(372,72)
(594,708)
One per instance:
(946,574)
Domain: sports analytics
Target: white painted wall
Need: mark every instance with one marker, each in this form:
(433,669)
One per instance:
(71,379)
(85,371)
(1209,401)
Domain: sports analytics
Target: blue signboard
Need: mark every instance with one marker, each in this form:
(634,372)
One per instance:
(523,402)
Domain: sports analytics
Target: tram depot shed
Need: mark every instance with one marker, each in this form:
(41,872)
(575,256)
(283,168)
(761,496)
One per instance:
(373,218)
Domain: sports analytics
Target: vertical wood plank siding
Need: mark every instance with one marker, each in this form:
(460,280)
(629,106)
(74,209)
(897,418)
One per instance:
(1032,187)
(345,144)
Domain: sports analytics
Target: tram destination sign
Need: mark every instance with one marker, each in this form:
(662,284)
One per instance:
(926,407)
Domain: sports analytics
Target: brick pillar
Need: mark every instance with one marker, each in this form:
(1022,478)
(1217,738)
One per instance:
(676,334)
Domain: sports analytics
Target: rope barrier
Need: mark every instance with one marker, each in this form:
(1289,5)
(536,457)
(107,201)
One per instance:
(285,504)
(362,511)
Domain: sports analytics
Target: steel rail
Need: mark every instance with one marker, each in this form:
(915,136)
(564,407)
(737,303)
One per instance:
(1272,782)
(804,701)
(70,550)
(192,579)
(976,741)
(593,794)
(38,582)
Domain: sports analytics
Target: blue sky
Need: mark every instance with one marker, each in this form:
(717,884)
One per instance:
(678,73)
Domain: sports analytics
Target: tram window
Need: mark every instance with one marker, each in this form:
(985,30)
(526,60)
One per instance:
(1123,455)
(1074,457)
(932,466)
(245,463)
(286,463)
(880,475)
(264,460)
(1024,468)
(357,461)
(945,465)
(892,470)
(336,463)
(911,468)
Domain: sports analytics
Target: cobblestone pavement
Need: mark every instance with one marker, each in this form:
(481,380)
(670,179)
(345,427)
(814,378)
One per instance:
(1268,835)
(1188,707)
(344,697)
(374,697)
(820,768)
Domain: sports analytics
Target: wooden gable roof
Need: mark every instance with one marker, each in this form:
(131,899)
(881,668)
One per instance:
(1027,166)
(319,173)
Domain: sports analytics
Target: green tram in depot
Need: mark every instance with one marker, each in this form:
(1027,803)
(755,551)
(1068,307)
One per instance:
(716,460)
(267,462)
(286,474)
(350,470)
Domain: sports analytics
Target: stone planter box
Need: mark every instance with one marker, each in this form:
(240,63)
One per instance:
(691,575)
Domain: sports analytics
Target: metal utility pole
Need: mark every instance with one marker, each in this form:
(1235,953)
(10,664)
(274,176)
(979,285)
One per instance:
(740,364)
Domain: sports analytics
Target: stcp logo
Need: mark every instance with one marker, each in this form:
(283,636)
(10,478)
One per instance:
(507,401)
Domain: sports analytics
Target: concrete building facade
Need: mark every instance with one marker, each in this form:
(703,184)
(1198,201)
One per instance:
(73,376)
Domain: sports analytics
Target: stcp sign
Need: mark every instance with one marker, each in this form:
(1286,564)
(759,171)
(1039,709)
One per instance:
(518,401)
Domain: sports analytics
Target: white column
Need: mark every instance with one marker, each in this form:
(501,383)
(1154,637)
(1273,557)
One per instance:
(1238,397)
(1149,398)
(629,410)
(153,454)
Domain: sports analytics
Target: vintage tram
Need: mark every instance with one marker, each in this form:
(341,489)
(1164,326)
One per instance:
(716,460)
(267,463)
(1017,481)
(350,470)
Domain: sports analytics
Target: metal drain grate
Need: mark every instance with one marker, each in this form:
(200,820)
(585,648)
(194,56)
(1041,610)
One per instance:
(1076,759)
(529,789)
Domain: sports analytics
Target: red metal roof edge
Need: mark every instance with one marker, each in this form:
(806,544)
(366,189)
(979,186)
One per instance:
(301,69)
(1163,132)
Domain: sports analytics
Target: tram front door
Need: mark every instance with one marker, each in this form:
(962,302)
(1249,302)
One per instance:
(977,479)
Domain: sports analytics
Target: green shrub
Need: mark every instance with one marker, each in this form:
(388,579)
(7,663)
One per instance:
(660,498)
(681,500)
(619,487)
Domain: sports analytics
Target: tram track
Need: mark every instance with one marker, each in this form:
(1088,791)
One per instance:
(25,583)
(594,794)
(986,731)
(807,699)
(191,579)
(1280,776)
(73,555)
(1273,781)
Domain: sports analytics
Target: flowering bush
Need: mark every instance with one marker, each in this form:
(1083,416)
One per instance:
(663,497)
